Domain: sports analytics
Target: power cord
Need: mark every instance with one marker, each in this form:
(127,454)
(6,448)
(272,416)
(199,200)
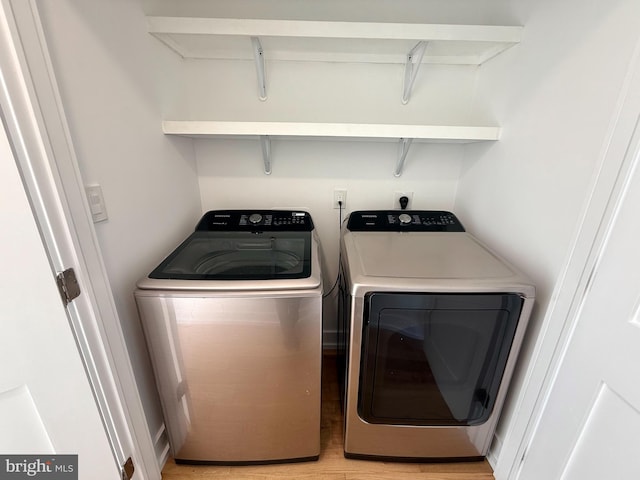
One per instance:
(335,284)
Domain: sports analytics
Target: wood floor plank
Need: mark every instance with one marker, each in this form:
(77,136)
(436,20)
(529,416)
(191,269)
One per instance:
(420,476)
(332,465)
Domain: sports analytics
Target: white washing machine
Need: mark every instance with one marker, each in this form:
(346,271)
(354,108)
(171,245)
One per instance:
(233,322)
(431,322)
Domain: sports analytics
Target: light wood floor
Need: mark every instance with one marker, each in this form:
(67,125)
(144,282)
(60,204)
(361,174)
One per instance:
(332,465)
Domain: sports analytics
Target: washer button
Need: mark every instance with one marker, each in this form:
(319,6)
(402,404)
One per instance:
(255,218)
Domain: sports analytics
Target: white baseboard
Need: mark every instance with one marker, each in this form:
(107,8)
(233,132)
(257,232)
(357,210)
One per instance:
(161,445)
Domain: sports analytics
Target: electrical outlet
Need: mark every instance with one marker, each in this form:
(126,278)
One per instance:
(398,195)
(339,195)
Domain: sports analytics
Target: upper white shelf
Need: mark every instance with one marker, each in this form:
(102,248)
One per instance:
(226,38)
(425,133)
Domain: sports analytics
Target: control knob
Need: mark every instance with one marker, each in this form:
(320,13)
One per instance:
(255,218)
(404,218)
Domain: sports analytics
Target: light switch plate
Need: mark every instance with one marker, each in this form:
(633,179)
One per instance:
(96,203)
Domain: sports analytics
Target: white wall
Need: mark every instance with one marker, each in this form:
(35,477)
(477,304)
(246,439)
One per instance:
(325,92)
(556,95)
(105,64)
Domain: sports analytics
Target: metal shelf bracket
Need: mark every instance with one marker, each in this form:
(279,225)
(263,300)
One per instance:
(265,142)
(403,149)
(411,67)
(258,55)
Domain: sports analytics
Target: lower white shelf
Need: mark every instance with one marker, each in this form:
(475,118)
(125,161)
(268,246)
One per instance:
(425,133)
(405,134)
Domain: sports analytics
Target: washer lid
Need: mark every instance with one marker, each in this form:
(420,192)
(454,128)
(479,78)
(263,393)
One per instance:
(434,255)
(233,255)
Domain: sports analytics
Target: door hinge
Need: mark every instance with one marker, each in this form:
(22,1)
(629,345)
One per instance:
(128,469)
(68,285)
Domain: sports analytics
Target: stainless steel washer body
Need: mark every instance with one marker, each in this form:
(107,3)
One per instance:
(233,322)
(431,324)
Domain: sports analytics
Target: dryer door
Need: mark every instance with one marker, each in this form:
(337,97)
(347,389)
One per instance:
(434,359)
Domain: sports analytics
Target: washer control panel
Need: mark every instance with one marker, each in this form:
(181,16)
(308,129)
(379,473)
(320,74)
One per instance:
(403,221)
(255,220)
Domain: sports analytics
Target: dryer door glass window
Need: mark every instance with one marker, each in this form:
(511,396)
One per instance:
(434,359)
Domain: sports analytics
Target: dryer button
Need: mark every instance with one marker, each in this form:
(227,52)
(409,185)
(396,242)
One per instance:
(404,218)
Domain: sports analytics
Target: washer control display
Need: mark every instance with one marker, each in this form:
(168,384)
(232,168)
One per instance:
(404,220)
(256,220)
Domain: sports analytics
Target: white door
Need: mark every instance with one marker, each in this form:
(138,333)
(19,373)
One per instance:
(590,427)
(46,402)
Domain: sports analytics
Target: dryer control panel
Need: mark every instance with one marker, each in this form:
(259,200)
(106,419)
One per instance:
(403,221)
(256,220)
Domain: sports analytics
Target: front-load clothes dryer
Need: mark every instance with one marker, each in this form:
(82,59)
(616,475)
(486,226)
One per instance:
(431,322)
(233,323)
